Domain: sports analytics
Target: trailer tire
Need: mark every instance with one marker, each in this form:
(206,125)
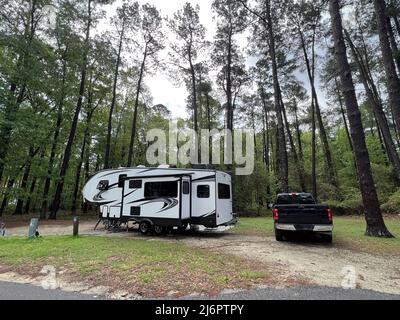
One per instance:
(159,230)
(144,227)
(183,227)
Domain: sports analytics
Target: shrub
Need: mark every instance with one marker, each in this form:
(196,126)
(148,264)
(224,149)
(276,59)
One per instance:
(392,206)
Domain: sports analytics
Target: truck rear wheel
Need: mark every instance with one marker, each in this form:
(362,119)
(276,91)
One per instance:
(144,227)
(279,235)
(328,238)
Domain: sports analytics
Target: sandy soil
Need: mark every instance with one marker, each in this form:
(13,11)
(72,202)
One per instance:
(322,264)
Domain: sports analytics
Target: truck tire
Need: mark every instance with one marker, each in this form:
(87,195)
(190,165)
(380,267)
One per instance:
(328,238)
(144,227)
(159,230)
(279,235)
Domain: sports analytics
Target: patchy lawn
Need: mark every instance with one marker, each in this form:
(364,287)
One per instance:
(148,268)
(348,232)
(64,217)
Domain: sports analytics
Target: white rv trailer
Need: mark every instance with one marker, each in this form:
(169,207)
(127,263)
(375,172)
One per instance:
(162,197)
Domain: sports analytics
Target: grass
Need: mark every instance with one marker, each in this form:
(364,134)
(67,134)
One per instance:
(348,233)
(149,267)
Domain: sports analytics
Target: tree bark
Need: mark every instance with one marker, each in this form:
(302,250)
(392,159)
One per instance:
(50,167)
(375,224)
(86,137)
(135,113)
(298,132)
(313,152)
(324,138)
(282,158)
(300,170)
(393,44)
(114,98)
(393,82)
(24,182)
(10,184)
(382,124)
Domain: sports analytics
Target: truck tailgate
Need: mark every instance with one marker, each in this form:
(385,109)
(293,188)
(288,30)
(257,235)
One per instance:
(303,214)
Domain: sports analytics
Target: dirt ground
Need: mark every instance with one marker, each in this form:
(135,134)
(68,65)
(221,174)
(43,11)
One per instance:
(320,263)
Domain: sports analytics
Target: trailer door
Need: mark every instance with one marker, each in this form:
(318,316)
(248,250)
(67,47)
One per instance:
(224,198)
(186,195)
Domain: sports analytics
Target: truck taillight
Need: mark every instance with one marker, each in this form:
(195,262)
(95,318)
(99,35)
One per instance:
(276,214)
(329,214)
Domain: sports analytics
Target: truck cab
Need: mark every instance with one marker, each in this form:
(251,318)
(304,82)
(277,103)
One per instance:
(299,212)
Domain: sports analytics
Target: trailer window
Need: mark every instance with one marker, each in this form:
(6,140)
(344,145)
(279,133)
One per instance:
(224,191)
(161,189)
(185,188)
(103,185)
(135,184)
(121,180)
(203,191)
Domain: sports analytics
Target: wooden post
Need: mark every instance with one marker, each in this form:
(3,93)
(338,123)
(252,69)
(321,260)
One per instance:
(76,226)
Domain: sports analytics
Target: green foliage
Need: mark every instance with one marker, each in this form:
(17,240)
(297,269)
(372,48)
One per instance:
(392,205)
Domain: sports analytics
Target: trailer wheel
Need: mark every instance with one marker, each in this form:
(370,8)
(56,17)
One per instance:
(144,227)
(159,230)
(183,227)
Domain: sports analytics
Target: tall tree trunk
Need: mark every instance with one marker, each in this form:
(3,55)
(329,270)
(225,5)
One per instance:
(209,126)
(68,149)
(298,132)
(135,112)
(314,152)
(86,137)
(8,125)
(114,98)
(382,124)
(282,159)
(300,170)
(10,184)
(397,23)
(393,82)
(24,183)
(346,126)
(375,224)
(50,167)
(393,44)
(194,106)
(29,200)
(32,188)
(85,205)
(323,135)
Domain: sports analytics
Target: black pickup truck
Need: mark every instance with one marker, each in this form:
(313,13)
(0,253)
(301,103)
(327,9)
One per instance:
(298,212)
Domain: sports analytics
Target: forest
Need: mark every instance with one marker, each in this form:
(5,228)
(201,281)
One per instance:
(318,81)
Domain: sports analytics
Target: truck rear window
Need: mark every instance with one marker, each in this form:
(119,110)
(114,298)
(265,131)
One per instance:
(295,199)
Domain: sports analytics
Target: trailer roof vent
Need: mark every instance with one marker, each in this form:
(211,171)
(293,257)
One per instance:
(164,166)
(141,166)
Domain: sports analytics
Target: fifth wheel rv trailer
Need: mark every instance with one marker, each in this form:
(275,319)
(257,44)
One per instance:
(162,198)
